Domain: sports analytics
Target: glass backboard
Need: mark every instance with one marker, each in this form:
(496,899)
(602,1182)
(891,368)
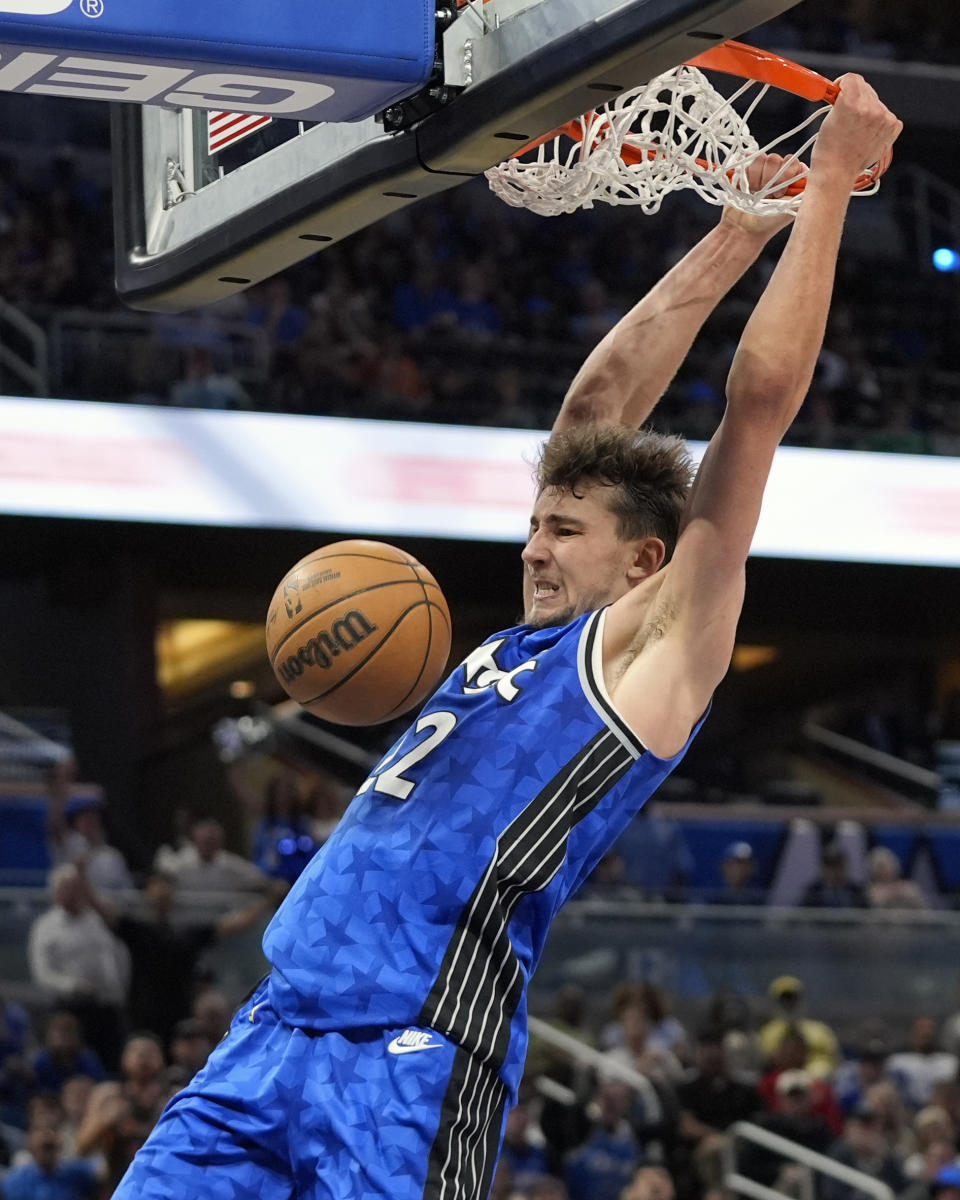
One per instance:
(200,218)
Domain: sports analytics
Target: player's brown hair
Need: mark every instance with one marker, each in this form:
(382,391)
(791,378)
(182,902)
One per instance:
(648,474)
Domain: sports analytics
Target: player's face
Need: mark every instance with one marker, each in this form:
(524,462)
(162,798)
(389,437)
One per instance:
(574,562)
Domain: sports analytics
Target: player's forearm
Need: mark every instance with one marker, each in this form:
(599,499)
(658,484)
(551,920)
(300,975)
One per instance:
(630,369)
(777,355)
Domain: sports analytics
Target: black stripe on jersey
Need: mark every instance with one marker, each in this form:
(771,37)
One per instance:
(464,1151)
(480,982)
(594,687)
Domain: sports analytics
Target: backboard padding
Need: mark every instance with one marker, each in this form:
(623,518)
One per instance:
(539,68)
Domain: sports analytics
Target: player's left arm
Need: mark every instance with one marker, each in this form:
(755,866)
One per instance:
(628,371)
(686,639)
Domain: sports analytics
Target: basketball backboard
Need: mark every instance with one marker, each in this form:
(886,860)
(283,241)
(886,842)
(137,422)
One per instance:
(195,224)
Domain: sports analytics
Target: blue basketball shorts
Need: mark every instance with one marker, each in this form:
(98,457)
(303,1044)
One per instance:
(365,1114)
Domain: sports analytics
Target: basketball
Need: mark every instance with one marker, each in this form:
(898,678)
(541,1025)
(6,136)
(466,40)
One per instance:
(358,632)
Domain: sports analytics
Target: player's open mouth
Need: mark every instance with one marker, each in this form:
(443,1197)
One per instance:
(543,591)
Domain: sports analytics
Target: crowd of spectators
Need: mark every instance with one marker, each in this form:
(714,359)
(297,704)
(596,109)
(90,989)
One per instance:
(133,1010)
(651,861)
(645,1115)
(462,309)
(887,1105)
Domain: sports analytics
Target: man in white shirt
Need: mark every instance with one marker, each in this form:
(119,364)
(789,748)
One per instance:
(917,1070)
(78,962)
(83,839)
(204,865)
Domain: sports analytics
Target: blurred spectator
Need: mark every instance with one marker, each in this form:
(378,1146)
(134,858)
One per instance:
(886,889)
(164,950)
(710,1100)
(77,831)
(710,1097)
(212,1013)
(893,1116)
(16,1078)
(423,303)
(664,1031)
(524,1147)
(283,840)
(205,866)
(794,1119)
(935,1157)
(48,1176)
(274,309)
(596,315)
(650,1183)
(604,1164)
(64,1055)
(823,1051)
(658,860)
(86,842)
(121,1115)
(609,878)
(834,889)
(863,1147)
(78,962)
(947,1095)
(502,1186)
(790,1057)
(324,804)
(634,1046)
(547,1187)
(932,1126)
(857,1074)
(476,310)
(738,869)
(203,386)
(919,1069)
(190,1046)
(568,1015)
(74,1097)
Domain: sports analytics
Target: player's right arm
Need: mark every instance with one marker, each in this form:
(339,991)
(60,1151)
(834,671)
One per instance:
(684,642)
(628,371)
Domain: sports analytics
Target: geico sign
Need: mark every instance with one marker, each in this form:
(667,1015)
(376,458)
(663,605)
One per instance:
(147,83)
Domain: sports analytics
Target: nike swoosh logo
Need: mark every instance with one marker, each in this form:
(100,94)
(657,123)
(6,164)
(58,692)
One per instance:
(395,1047)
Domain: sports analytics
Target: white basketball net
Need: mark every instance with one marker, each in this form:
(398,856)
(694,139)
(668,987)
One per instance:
(688,136)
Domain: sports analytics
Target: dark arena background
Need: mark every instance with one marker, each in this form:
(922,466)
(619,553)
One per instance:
(770,951)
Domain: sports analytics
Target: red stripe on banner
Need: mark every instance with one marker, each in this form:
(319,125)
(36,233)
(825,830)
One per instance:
(228,120)
(225,128)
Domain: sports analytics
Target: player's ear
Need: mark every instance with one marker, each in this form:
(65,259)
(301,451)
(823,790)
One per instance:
(649,555)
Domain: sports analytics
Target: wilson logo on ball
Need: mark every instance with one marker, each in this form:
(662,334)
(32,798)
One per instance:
(344,634)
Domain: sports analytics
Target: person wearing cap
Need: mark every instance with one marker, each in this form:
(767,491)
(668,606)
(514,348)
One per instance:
(864,1068)
(793,1118)
(833,889)
(738,868)
(793,1054)
(78,835)
(823,1050)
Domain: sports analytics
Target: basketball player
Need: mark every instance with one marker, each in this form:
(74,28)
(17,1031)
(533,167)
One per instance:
(380,1056)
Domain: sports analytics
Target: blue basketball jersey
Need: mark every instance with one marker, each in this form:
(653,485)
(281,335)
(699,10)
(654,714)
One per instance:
(430,904)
